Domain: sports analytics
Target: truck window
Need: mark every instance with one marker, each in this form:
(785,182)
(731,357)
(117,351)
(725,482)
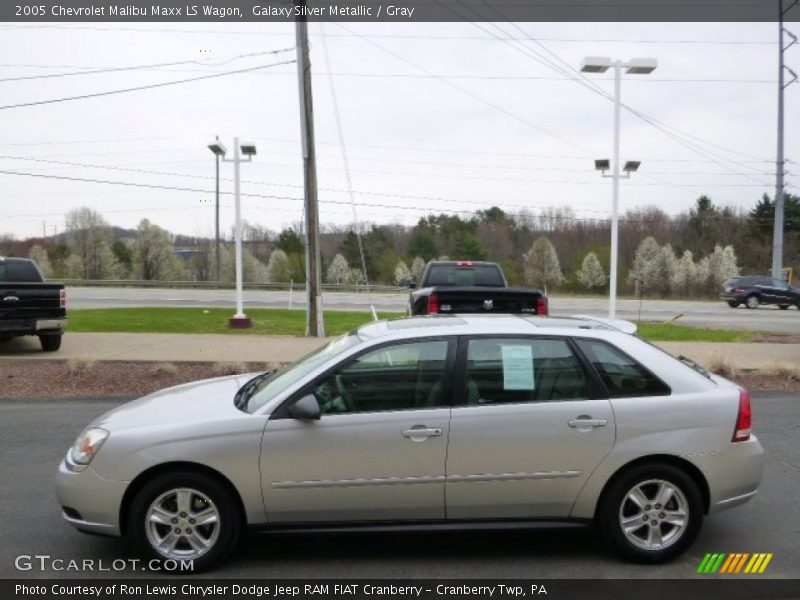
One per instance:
(480,275)
(23,271)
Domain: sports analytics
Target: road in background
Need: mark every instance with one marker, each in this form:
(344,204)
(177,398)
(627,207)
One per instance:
(34,436)
(715,314)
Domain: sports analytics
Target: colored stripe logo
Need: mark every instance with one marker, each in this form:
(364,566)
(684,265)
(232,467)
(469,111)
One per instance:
(734,563)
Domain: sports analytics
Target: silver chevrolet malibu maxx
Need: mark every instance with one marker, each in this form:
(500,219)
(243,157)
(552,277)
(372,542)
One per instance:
(426,421)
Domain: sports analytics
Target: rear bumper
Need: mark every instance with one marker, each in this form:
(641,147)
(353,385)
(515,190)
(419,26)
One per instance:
(733,475)
(33,326)
(731,297)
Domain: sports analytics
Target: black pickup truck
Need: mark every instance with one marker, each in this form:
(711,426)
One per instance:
(467,286)
(29,305)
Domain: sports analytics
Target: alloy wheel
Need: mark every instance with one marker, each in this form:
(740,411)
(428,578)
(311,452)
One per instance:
(182,523)
(654,514)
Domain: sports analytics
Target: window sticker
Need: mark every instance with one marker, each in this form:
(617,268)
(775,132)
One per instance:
(517,367)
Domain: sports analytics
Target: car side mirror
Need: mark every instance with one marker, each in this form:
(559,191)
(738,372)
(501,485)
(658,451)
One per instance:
(305,409)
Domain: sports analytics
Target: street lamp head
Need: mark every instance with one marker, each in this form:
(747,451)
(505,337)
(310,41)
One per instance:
(602,164)
(218,148)
(641,66)
(631,166)
(595,64)
(248,149)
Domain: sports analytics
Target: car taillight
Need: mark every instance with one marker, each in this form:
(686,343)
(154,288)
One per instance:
(433,304)
(541,306)
(464,263)
(743,419)
(738,290)
(62,299)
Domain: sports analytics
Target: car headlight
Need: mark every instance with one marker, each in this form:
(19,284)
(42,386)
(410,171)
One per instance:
(87,445)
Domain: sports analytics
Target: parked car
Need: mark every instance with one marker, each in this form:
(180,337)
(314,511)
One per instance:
(467,286)
(29,305)
(755,290)
(429,421)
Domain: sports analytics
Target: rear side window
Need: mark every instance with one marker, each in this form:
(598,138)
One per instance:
(480,275)
(622,376)
(12,270)
(508,370)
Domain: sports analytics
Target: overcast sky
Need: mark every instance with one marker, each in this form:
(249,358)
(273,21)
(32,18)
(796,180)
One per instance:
(435,117)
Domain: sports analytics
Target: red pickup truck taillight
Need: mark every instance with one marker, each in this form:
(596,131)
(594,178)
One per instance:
(433,304)
(62,299)
(541,306)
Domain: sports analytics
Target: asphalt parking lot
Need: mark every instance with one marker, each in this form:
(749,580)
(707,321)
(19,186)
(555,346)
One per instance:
(35,434)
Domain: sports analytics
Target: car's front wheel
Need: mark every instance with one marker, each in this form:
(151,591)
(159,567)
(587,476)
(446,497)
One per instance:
(783,306)
(652,513)
(733,303)
(185,517)
(752,302)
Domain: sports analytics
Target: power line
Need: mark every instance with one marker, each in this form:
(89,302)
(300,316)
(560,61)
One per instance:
(94,71)
(143,87)
(697,41)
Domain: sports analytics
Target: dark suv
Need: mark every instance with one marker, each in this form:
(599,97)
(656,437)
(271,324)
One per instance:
(754,290)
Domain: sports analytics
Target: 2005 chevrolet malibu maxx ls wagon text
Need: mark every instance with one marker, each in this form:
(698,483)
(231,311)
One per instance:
(426,421)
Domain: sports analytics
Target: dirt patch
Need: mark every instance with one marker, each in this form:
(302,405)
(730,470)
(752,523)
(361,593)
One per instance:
(60,379)
(775,338)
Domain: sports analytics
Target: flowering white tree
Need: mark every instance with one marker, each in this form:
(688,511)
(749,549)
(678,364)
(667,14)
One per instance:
(401,273)
(644,270)
(685,276)
(338,270)
(39,256)
(719,266)
(417,267)
(542,268)
(278,269)
(591,274)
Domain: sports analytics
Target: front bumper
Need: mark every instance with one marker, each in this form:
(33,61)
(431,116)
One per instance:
(89,503)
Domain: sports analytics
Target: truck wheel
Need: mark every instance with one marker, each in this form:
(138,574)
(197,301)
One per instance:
(50,342)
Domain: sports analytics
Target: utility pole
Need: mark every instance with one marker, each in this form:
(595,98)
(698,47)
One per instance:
(315,325)
(780,161)
(216,228)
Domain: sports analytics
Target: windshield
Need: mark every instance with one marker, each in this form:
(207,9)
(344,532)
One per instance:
(284,378)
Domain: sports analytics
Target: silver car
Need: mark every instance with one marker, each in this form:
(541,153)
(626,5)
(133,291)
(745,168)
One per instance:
(429,421)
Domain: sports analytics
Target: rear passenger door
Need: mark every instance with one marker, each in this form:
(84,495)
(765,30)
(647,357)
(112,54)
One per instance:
(529,428)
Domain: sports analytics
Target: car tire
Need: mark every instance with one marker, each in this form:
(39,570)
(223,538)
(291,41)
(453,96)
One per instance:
(733,303)
(50,343)
(752,301)
(619,513)
(783,306)
(157,514)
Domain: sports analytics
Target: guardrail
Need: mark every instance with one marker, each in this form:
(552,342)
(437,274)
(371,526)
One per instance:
(221,285)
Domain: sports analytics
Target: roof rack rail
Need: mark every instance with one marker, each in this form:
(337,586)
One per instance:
(615,324)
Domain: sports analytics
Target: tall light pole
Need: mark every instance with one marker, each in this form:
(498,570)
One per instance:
(635,66)
(240,320)
(219,150)
(780,161)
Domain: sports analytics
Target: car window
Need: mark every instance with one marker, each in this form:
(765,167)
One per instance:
(622,376)
(505,370)
(398,377)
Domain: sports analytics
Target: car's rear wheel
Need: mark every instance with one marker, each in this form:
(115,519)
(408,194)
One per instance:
(50,342)
(752,302)
(733,303)
(185,516)
(783,306)
(652,513)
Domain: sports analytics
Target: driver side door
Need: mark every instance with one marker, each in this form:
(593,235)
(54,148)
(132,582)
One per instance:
(378,451)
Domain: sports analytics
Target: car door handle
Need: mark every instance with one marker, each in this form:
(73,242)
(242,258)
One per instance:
(422,432)
(582,422)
